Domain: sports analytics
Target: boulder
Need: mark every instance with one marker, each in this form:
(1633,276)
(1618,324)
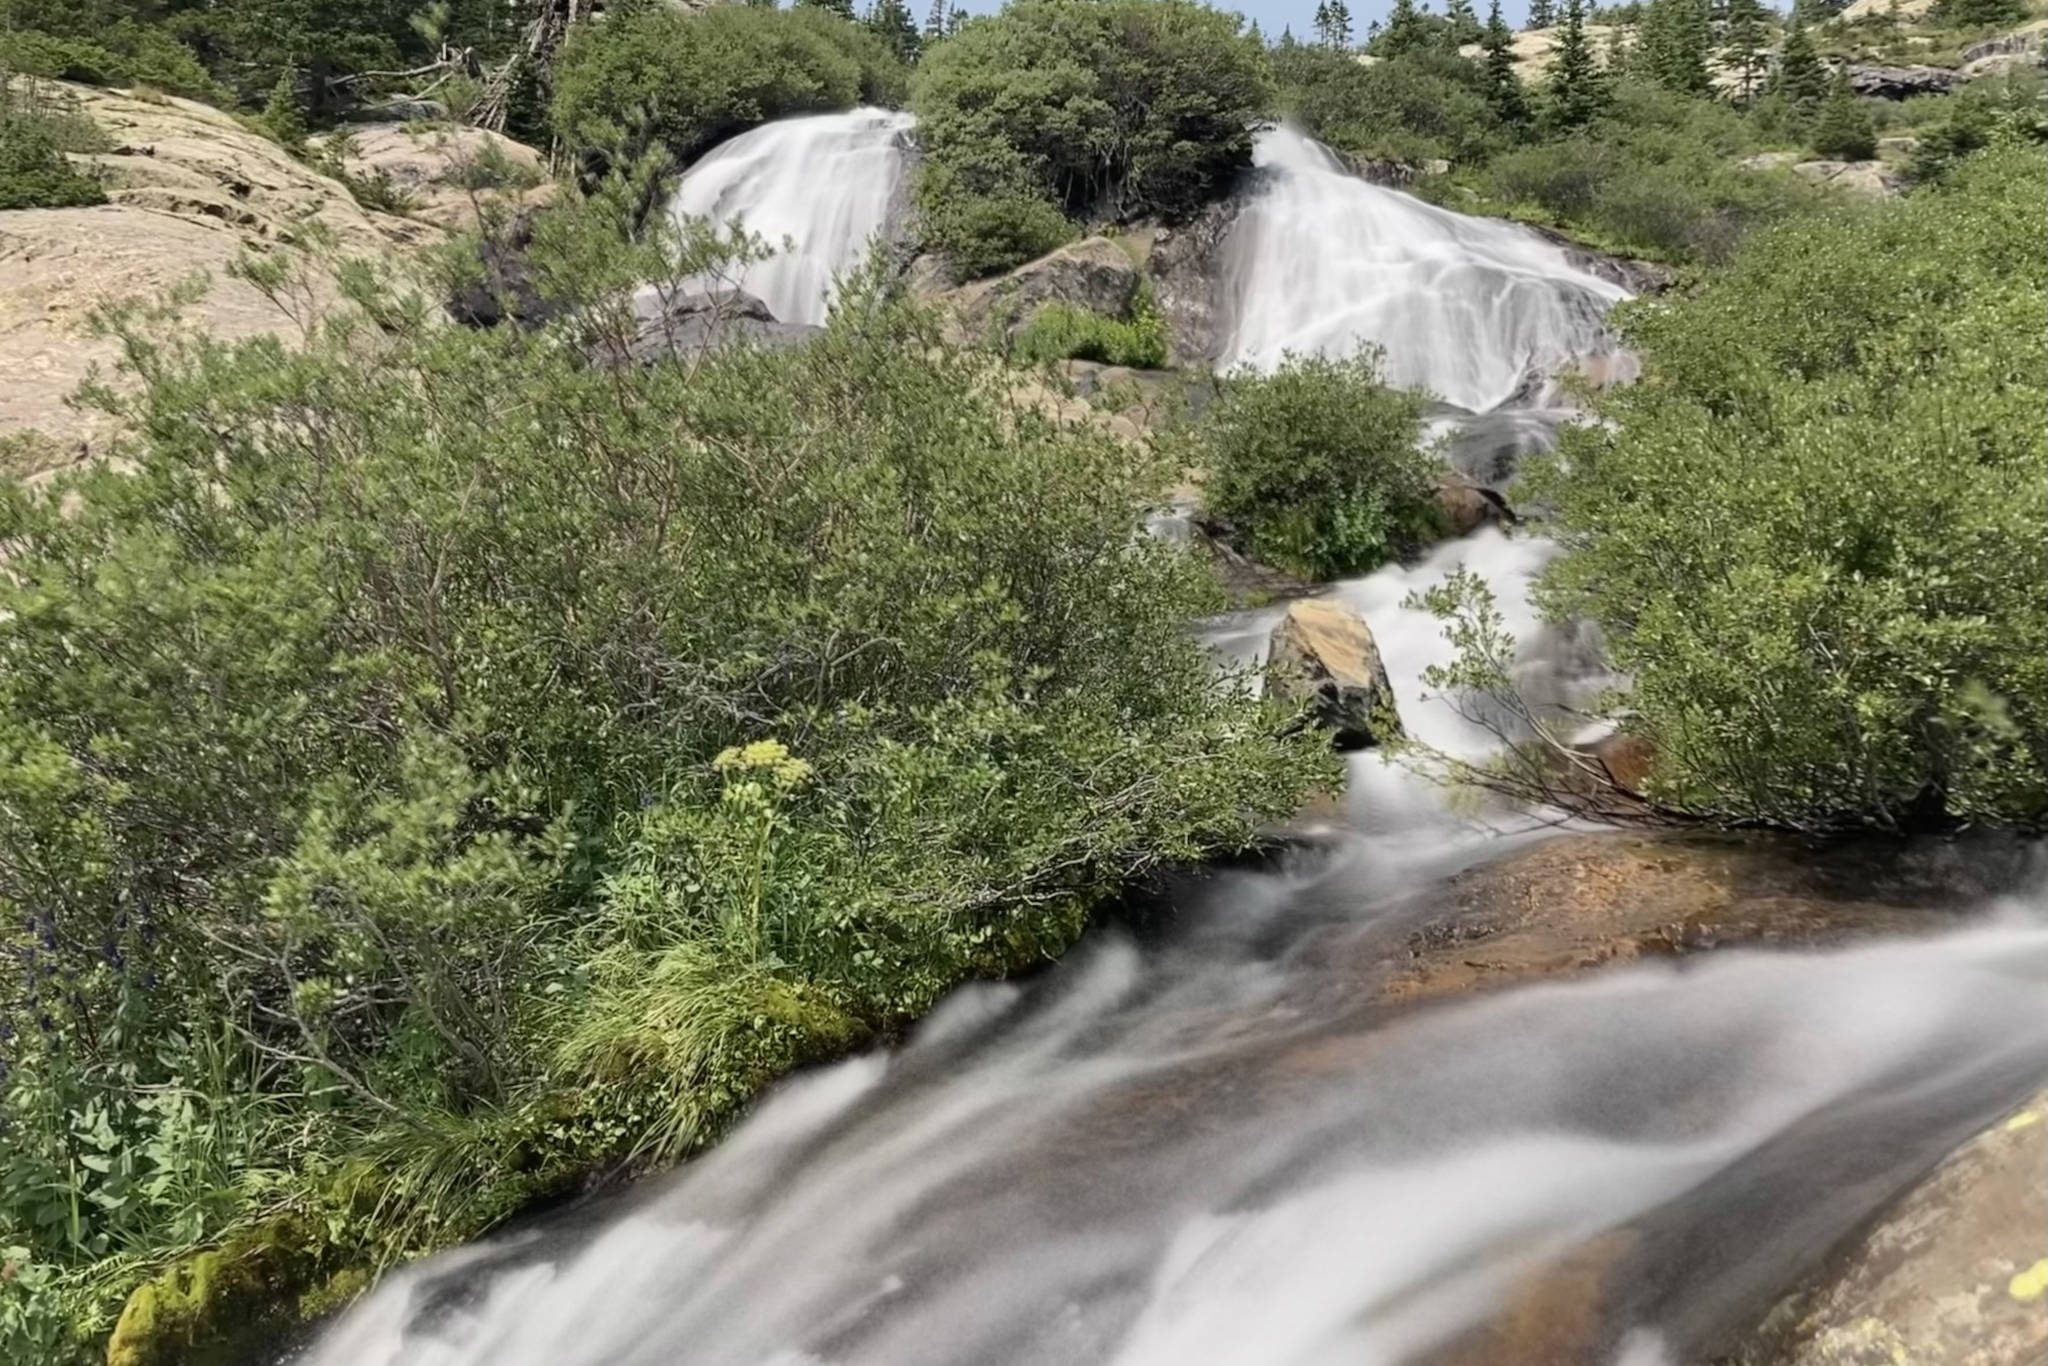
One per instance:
(444,170)
(1871,179)
(1322,654)
(1954,1272)
(1095,273)
(686,324)
(1902,82)
(189,189)
(1998,64)
(1468,505)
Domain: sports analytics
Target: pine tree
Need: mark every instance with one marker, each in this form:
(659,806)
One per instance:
(1845,130)
(1745,44)
(282,116)
(1578,88)
(890,21)
(1801,78)
(1464,24)
(1503,86)
(1541,14)
(935,22)
(1406,31)
(1256,34)
(1674,45)
(1333,23)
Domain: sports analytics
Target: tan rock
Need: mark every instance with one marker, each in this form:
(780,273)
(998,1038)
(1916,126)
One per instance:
(190,188)
(434,164)
(1771,161)
(1468,504)
(1870,179)
(1956,1272)
(1878,9)
(1094,273)
(1322,654)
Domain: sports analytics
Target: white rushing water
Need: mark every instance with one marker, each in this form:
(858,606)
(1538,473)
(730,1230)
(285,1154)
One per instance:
(1322,262)
(819,190)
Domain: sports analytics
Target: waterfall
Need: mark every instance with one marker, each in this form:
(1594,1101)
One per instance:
(1322,262)
(819,189)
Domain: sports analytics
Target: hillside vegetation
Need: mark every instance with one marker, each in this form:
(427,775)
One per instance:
(445,768)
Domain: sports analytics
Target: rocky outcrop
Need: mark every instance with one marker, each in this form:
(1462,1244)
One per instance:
(1635,276)
(1322,654)
(1955,1272)
(1185,267)
(1871,179)
(1902,82)
(189,189)
(2019,42)
(443,171)
(1095,273)
(1467,504)
(683,325)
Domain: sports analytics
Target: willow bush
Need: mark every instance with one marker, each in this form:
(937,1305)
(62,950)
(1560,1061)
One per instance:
(447,762)
(1813,535)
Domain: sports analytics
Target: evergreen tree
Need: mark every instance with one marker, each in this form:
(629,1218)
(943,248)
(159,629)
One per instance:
(1845,130)
(890,21)
(935,22)
(842,8)
(1542,14)
(1746,44)
(1407,30)
(1674,45)
(1464,24)
(1256,34)
(1333,23)
(1802,80)
(1503,86)
(1578,88)
(282,116)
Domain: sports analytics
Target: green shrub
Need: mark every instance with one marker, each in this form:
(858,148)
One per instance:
(1655,177)
(1059,331)
(1317,468)
(1813,535)
(444,766)
(1420,105)
(36,130)
(121,54)
(687,81)
(1100,109)
(1978,14)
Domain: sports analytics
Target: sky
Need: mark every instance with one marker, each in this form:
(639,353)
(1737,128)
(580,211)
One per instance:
(1275,15)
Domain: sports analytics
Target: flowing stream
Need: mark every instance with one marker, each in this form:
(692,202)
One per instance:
(1195,1142)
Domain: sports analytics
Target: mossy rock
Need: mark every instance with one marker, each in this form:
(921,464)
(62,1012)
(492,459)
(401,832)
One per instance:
(217,1306)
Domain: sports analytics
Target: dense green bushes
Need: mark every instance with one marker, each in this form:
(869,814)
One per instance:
(36,130)
(1061,331)
(686,81)
(1058,110)
(1317,468)
(443,766)
(1423,104)
(1814,534)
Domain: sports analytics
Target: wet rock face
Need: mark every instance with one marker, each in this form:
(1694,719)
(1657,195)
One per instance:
(1902,82)
(683,325)
(1186,274)
(1323,655)
(1095,273)
(1955,1272)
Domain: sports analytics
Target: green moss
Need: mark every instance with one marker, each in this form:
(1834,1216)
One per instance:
(219,1305)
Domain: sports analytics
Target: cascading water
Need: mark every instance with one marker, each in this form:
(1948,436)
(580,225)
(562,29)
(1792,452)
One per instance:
(818,189)
(1470,309)
(1198,1148)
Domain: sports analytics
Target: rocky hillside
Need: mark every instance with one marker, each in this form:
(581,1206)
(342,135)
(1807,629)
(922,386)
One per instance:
(188,189)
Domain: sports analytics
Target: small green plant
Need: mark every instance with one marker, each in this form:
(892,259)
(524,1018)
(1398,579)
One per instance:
(1062,331)
(1317,468)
